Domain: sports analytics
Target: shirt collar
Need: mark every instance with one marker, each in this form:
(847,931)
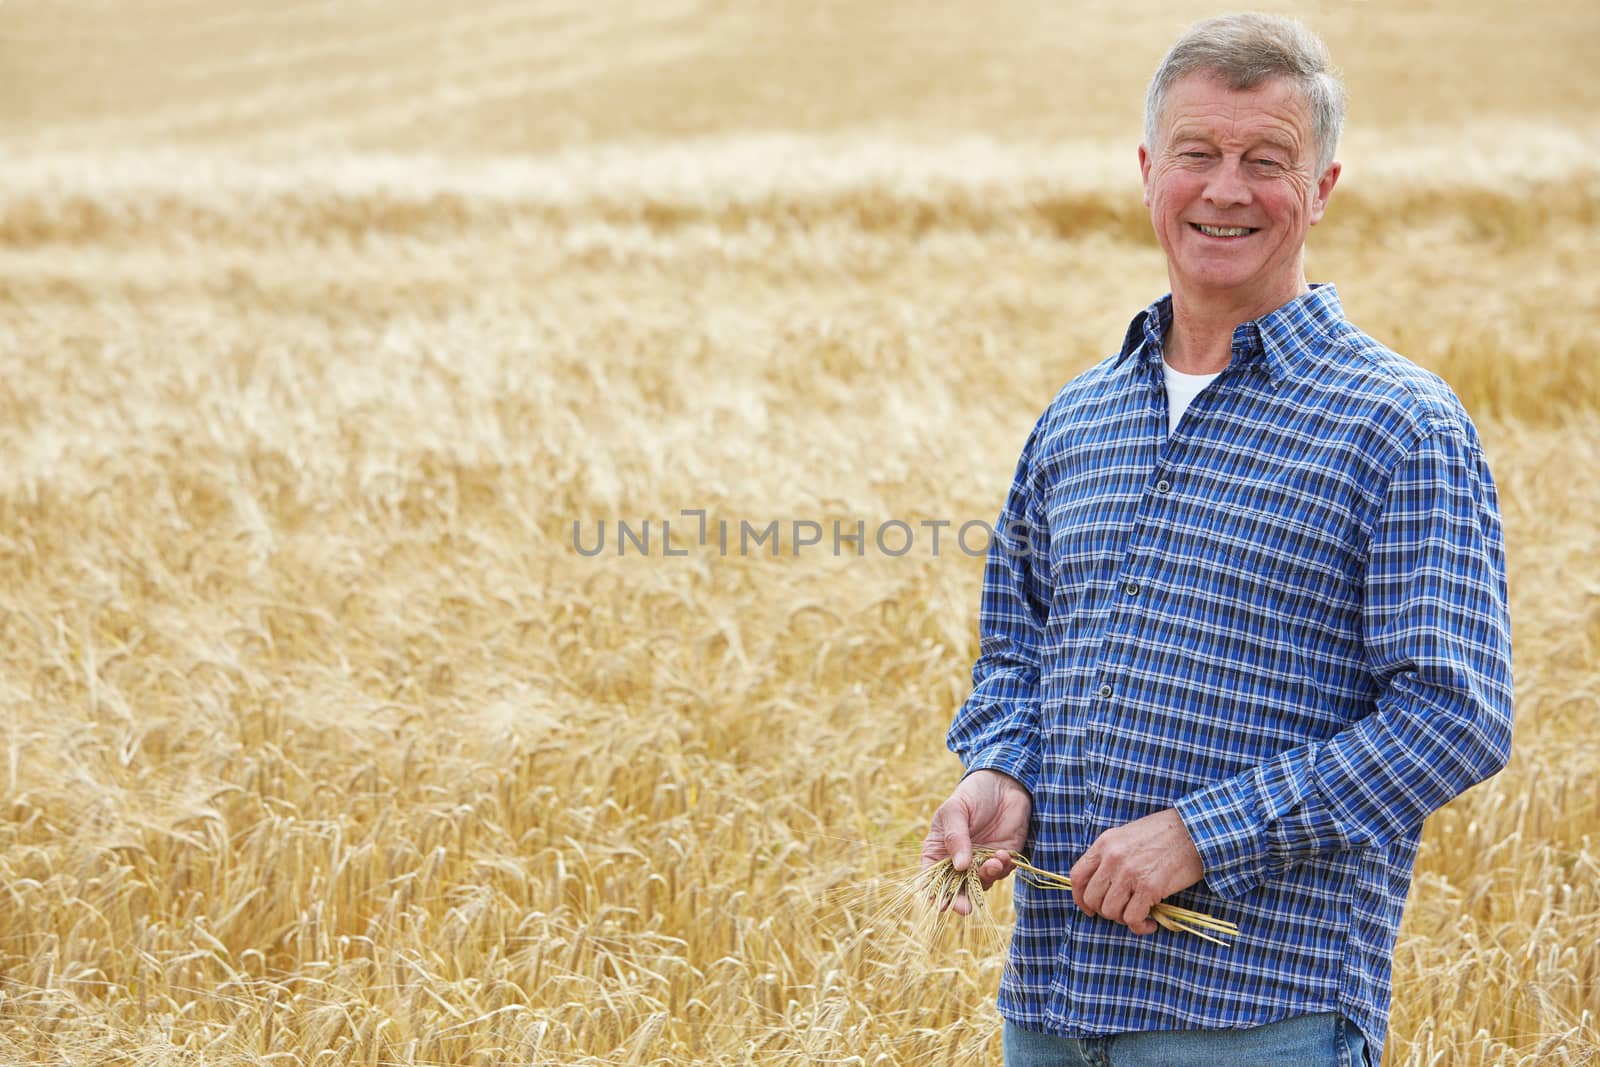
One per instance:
(1277,340)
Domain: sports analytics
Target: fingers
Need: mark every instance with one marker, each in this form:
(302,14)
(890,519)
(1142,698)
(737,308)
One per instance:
(1124,904)
(1137,913)
(1134,913)
(995,868)
(1106,884)
(990,871)
(1113,904)
(949,837)
(1105,889)
(957,837)
(988,809)
(956,902)
(1087,891)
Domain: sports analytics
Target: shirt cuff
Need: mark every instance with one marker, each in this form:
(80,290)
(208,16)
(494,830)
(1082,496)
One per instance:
(1019,763)
(1221,820)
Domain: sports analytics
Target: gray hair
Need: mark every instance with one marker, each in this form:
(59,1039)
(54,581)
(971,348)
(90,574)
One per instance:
(1245,50)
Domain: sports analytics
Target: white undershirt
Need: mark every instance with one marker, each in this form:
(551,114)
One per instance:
(1181,389)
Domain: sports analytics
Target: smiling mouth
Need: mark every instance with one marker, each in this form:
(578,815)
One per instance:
(1224,231)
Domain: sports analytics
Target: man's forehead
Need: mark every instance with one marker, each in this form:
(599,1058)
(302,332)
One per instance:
(1272,109)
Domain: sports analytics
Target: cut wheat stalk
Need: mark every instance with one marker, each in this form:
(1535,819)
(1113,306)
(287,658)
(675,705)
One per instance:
(942,883)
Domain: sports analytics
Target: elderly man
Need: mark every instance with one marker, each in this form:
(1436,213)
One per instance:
(1243,623)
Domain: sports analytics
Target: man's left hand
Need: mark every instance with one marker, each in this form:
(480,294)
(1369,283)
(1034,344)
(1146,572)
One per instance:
(1130,869)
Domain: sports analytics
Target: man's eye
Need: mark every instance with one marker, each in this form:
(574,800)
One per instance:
(1268,164)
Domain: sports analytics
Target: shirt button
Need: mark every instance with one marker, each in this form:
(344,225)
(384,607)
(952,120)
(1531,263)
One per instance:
(1131,588)
(1163,487)
(1105,690)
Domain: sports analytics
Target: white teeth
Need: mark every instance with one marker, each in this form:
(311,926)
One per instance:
(1223,231)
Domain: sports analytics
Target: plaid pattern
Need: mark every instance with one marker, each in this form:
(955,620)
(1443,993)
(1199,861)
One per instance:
(1288,620)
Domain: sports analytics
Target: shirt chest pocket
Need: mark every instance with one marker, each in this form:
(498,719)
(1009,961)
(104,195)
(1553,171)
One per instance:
(1289,558)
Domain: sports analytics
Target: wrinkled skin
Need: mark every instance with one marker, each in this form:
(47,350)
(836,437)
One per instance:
(1233,158)
(989,809)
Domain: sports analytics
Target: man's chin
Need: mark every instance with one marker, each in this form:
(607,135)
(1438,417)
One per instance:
(1229,281)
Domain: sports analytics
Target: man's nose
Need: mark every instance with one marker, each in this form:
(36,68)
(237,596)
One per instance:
(1227,186)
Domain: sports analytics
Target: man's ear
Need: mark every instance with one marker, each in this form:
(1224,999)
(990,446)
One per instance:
(1144,172)
(1324,190)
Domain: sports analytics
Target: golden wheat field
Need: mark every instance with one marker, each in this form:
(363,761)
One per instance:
(334,332)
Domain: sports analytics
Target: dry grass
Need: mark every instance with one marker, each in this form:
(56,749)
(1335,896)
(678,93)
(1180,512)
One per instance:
(321,745)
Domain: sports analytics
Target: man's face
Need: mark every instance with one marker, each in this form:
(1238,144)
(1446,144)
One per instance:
(1232,191)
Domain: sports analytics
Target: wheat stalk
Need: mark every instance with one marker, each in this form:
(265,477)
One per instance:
(941,883)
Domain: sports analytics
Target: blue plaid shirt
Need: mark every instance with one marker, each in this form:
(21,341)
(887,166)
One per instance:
(1287,620)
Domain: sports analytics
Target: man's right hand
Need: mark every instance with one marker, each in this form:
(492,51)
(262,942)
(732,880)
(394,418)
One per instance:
(988,809)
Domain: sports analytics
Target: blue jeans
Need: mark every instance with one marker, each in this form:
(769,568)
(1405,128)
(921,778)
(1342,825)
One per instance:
(1324,1040)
